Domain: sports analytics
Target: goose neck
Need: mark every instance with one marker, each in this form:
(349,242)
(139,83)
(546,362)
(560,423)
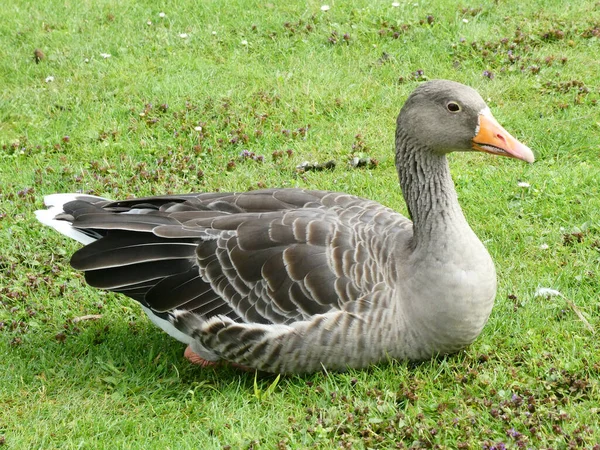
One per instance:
(429,193)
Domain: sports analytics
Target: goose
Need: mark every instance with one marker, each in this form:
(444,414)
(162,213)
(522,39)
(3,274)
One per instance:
(295,280)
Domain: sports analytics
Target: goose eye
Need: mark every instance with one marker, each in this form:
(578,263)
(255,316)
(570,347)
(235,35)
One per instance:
(453,107)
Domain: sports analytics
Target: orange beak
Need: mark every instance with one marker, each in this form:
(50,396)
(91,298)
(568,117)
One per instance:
(493,138)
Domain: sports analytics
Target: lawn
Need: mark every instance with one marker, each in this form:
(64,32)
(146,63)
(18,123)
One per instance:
(140,98)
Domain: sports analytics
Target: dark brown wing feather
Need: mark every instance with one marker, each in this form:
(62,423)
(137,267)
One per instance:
(270,256)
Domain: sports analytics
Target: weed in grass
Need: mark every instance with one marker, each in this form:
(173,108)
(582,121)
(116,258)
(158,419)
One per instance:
(261,395)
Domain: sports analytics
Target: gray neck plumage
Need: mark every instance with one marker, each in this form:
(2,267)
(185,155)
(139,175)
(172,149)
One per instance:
(429,194)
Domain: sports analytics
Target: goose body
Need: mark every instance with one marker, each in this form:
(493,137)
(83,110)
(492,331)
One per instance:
(291,280)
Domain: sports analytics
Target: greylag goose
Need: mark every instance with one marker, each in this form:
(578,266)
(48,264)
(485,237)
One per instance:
(293,280)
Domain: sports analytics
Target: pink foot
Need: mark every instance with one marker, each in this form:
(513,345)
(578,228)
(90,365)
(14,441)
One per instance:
(195,358)
(198,360)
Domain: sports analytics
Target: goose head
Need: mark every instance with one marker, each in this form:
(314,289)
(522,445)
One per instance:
(445,116)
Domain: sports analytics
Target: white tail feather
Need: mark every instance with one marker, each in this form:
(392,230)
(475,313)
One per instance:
(168,327)
(55,203)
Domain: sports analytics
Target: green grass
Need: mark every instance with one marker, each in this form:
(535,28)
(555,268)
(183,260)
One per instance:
(100,126)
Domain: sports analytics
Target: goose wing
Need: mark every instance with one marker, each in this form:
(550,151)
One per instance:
(270,256)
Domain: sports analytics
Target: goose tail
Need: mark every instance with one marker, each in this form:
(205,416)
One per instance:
(55,217)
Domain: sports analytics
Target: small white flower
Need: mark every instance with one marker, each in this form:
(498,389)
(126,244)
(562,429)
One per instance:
(244,42)
(523,184)
(105,55)
(183,35)
(395,4)
(325,8)
(162,14)
(544,247)
(466,20)
(214,33)
(49,79)
(546,292)
(198,128)
(149,22)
